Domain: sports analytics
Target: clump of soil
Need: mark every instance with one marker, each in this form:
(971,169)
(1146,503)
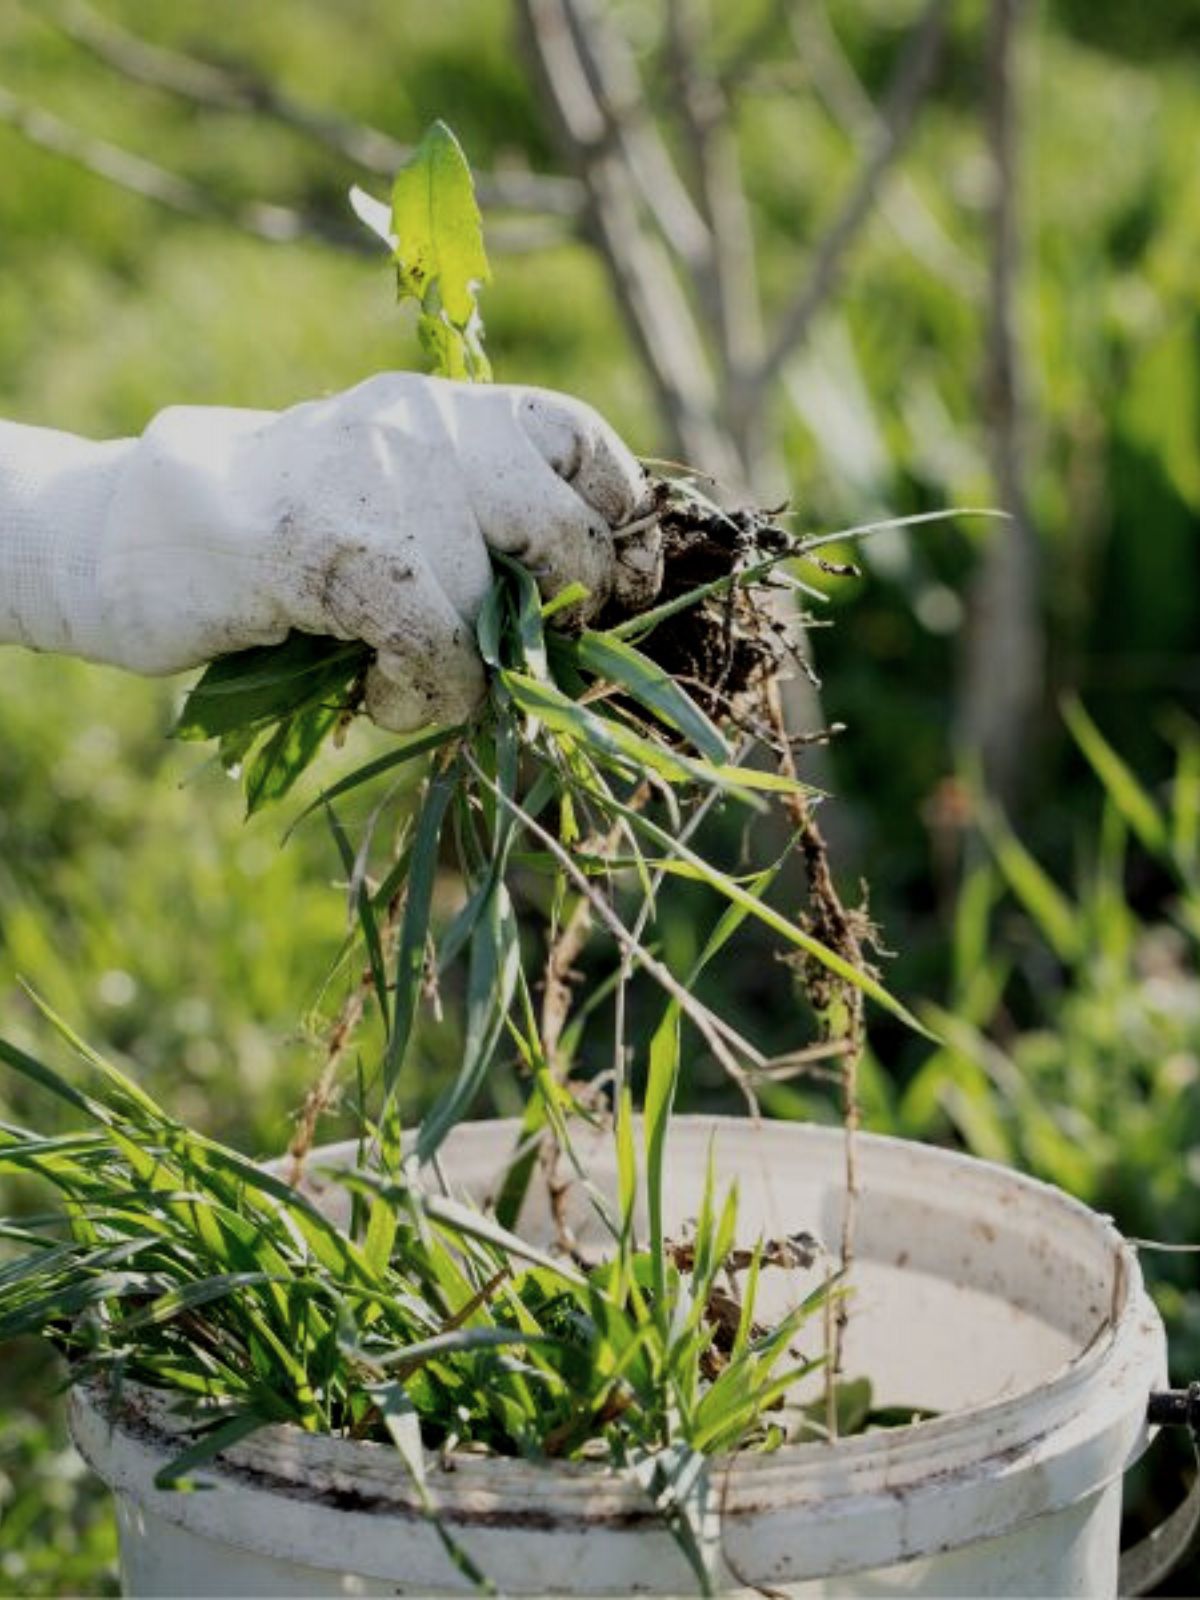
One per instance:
(727,644)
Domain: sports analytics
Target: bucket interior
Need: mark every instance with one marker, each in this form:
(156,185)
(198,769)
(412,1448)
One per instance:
(970,1283)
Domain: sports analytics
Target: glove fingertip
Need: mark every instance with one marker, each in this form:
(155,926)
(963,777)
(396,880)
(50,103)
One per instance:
(586,452)
(638,570)
(401,698)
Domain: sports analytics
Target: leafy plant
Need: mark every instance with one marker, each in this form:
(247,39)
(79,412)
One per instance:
(1071,1045)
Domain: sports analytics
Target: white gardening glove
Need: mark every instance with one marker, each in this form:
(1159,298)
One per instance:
(365,516)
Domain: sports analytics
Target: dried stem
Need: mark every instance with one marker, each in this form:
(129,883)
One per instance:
(725,1042)
(321,1095)
(839,1005)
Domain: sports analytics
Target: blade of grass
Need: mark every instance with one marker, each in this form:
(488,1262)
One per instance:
(1125,792)
(414,930)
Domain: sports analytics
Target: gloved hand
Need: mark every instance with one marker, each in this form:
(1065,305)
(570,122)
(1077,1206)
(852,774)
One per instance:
(365,516)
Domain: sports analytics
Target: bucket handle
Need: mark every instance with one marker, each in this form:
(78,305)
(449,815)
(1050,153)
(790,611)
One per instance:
(1146,1564)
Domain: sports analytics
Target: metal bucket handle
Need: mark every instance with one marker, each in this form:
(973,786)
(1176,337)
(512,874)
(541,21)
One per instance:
(1146,1564)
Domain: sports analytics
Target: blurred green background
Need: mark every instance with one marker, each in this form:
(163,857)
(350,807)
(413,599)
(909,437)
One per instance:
(1054,944)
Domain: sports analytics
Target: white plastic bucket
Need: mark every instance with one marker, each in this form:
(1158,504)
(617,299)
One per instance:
(1002,1304)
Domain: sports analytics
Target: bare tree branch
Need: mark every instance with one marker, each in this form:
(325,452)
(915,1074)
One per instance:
(745,60)
(273,223)
(649,293)
(614,80)
(910,82)
(1004,641)
(727,279)
(221,87)
(585,75)
(836,83)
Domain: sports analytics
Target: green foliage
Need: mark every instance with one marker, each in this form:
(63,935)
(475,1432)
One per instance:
(131,893)
(56,1530)
(533,751)
(440,259)
(1072,1038)
(263,686)
(182,1265)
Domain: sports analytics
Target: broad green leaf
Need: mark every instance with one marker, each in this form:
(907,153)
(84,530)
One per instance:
(253,687)
(439,252)
(414,929)
(272,771)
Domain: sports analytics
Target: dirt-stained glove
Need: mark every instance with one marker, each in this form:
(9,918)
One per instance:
(365,516)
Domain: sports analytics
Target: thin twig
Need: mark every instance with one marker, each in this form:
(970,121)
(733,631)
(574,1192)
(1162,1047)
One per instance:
(614,80)
(270,223)
(807,1063)
(901,203)
(1004,641)
(242,88)
(273,223)
(910,83)
(720,1036)
(727,277)
(840,1007)
(569,68)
